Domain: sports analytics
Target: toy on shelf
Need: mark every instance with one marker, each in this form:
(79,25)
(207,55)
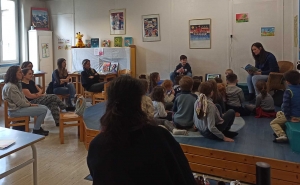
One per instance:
(79,43)
(106,43)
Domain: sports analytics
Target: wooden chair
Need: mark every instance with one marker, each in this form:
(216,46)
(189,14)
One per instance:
(88,94)
(101,97)
(276,80)
(124,72)
(64,118)
(8,119)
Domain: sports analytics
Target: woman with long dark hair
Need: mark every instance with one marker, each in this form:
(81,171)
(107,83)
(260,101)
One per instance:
(18,105)
(264,61)
(90,78)
(61,84)
(131,151)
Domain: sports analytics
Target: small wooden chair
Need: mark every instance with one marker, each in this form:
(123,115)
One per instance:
(101,97)
(65,117)
(8,119)
(124,72)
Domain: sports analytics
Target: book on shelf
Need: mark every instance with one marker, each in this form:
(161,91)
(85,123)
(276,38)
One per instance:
(114,67)
(118,41)
(95,42)
(128,41)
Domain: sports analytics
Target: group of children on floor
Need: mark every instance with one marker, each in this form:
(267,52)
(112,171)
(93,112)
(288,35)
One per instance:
(211,107)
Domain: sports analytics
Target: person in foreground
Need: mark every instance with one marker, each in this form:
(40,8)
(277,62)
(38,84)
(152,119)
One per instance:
(18,105)
(207,118)
(131,151)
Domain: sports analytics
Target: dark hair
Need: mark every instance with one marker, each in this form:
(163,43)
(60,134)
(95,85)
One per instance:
(153,83)
(123,111)
(25,71)
(206,88)
(218,80)
(186,83)
(11,75)
(216,96)
(84,62)
(231,78)
(261,87)
(177,79)
(158,94)
(25,64)
(196,84)
(62,72)
(261,57)
(292,76)
(145,85)
(183,57)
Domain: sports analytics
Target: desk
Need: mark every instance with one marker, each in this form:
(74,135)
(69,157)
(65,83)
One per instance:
(38,74)
(23,140)
(1,87)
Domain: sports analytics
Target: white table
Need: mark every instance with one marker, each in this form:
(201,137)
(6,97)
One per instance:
(23,140)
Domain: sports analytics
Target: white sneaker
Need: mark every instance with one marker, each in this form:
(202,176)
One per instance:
(235,183)
(282,139)
(179,132)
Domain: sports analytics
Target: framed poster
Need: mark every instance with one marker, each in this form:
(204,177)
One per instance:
(40,18)
(151,30)
(117,20)
(200,33)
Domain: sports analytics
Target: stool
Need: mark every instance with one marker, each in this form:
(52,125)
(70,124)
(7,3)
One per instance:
(88,94)
(293,133)
(8,119)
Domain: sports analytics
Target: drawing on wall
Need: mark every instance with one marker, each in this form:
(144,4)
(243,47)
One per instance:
(200,33)
(117,22)
(40,18)
(45,50)
(241,17)
(267,31)
(151,28)
(296,31)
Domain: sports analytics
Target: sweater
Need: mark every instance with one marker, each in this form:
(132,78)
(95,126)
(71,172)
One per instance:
(159,109)
(266,104)
(235,96)
(210,120)
(88,82)
(183,109)
(147,106)
(270,65)
(291,102)
(56,79)
(153,157)
(14,96)
(187,68)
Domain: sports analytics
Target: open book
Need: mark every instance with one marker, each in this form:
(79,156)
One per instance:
(250,68)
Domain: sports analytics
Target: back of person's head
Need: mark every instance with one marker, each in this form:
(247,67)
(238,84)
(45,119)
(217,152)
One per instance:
(231,78)
(228,71)
(222,89)
(206,88)
(153,80)
(292,77)
(183,57)
(177,79)
(123,110)
(196,84)
(26,64)
(186,83)
(261,87)
(214,87)
(11,75)
(158,94)
(145,85)
(218,80)
(167,84)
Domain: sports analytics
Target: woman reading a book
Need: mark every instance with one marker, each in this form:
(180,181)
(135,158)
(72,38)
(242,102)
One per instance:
(265,62)
(90,78)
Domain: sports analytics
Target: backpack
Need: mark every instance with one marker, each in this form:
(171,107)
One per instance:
(50,88)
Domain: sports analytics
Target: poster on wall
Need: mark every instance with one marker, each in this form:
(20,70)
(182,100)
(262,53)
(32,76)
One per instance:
(200,34)
(45,50)
(296,31)
(241,17)
(40,18)
(151,28)
(117,22)
(267,31)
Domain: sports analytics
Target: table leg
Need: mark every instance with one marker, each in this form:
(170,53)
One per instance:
(34,164)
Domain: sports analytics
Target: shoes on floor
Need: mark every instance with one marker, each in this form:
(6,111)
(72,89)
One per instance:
(281,139)
(230,134)
(235,183)
(179,132)
(41,131)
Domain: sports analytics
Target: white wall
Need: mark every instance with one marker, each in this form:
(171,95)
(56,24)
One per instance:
(91,17)
(295,12)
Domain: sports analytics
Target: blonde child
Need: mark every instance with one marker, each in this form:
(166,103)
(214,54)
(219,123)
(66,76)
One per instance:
(147,105)
(154,79)
(228,71)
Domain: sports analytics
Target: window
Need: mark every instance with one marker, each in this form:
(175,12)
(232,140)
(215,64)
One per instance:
(9,35)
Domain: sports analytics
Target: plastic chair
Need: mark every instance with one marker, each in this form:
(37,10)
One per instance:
(8,119)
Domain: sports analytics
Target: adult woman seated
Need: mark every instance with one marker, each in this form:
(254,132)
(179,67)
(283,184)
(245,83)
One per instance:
(131,151)
(34,94)
(265,62)
(90,78)
(18,105)
(27,64)
(60,80)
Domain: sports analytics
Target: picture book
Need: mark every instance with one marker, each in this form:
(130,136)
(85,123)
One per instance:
(114,67)
(95,42)
(118,41)
(105,67)
(128,41)
(87,43)
(250,67)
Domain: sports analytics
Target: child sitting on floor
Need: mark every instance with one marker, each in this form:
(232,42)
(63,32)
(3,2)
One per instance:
(147,105)
(217,97)
(184,104)
(176,86)
(235,96)
(196,85)
(169,94)
(154,79)
(264,104)
(228,71)
(290,106)
(207,118)
(157,96)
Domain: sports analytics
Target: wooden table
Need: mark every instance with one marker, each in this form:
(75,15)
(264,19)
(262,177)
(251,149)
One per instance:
(1,87)
(22,140)
(105,77)
(40,74)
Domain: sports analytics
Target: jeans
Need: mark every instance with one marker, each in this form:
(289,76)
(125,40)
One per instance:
(251,81)
(228,118)
(97,87)
(40,111)
(173,75)
(69,89)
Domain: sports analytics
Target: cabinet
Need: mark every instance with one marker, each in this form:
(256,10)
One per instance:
(40,46)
